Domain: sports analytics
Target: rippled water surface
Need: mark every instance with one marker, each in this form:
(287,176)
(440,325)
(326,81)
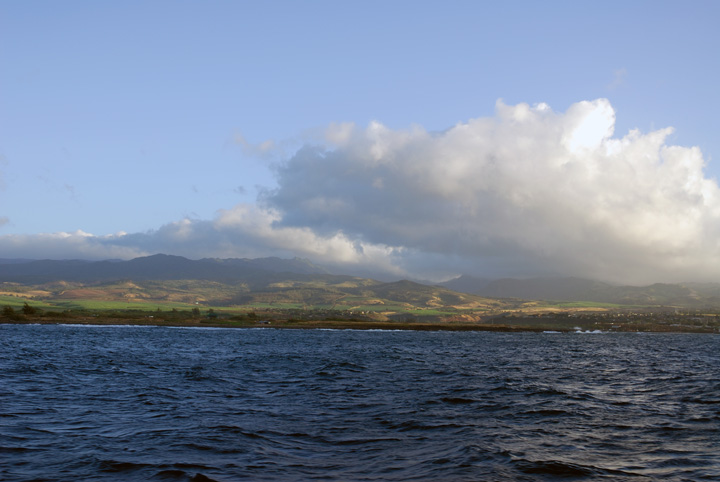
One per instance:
(151,403)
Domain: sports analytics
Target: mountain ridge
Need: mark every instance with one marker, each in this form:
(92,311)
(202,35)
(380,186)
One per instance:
(156,267)
(301,280)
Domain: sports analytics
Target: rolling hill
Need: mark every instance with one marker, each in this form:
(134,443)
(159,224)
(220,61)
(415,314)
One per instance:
(694,295)
(275,283)
(270,283)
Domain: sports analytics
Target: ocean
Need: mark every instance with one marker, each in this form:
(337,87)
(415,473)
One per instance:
(125,403)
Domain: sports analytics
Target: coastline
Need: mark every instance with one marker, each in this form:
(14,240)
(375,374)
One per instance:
(349,325)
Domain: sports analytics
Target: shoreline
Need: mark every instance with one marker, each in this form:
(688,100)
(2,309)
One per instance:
(349,325)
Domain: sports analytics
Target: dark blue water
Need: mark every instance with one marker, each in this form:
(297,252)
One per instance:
(150,403)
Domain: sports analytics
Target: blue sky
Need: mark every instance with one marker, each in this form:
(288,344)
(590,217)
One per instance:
(214,128)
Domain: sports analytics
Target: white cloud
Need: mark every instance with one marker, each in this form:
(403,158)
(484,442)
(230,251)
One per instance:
(618,79)
(244,231)
(261,150)
(260,228)
(529,191)
(76,245)
(588,125)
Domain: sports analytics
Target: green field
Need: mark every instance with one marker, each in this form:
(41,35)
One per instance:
(17,303)
(585,304)
(120,305)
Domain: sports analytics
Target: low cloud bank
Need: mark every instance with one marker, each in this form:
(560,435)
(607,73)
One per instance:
(244,231)
(526,192)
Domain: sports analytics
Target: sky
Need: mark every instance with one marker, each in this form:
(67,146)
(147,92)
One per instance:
(404,139)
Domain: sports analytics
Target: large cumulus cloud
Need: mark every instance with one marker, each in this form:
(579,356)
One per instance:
(529,191)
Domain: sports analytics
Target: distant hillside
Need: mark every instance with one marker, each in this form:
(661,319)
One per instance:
(696,295)
(156,267)
(266,283)
(466,284)
(565,289)
(423,295)
(15,260)
(299,282)
(276,265)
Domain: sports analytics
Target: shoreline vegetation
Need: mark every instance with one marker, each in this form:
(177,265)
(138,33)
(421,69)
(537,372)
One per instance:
(563,322)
